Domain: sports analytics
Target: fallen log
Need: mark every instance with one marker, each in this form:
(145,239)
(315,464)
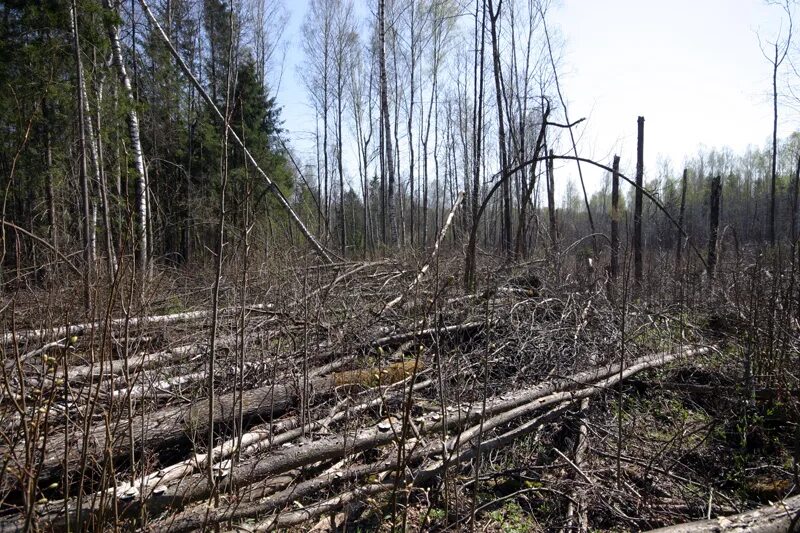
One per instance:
(171,425)
(778,517)
(501,410)
(76,375)
(199,516)
(81,329)
(459,443)
(249,443)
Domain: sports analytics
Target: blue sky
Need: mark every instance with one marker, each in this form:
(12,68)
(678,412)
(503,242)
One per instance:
(692,68)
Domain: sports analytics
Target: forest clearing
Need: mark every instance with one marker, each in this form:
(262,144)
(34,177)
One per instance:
(205,329)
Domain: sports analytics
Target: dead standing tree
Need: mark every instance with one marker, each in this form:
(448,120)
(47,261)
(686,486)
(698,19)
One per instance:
(551,204)
(615,216)
(501,130)
(386,126)
(637,208)
(681,218)
(715,200)
(779,52)
(317,44)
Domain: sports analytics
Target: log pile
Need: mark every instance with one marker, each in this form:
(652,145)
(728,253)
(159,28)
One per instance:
(322,402)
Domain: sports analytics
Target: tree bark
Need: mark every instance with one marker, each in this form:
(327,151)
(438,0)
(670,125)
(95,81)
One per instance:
(143,221)
(496,412)
(776,518)
(679,247)
(637,210)
(88,255)
(498,87)
(714,201)
(387,129)
(772,198)
(615,217)
(551,203)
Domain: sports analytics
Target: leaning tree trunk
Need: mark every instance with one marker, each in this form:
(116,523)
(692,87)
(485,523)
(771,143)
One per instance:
(270,184)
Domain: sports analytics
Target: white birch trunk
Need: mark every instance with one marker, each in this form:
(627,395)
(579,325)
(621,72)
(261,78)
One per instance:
(136,147)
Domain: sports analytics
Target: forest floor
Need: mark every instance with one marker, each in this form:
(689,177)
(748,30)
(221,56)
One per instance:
(544,401)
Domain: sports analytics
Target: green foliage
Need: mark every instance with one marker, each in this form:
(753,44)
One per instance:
(181,139)
(513,519)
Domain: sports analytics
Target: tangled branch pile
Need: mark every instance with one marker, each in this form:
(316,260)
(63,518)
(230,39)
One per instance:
(330,405)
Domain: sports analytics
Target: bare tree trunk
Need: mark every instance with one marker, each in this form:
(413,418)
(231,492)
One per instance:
(528,189)
(615,217)
(84,179)
(571,133)
(772,201)
(498,87)
(400,235)
(413,65)
(339,163)
(714,202)
(50,188)
(387,136)
(681,215)
(551,203)
(794,203)
(637,209)
(187,220)
(477,136)
(425,139)
(136,147)
(100,176)
(327,204)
